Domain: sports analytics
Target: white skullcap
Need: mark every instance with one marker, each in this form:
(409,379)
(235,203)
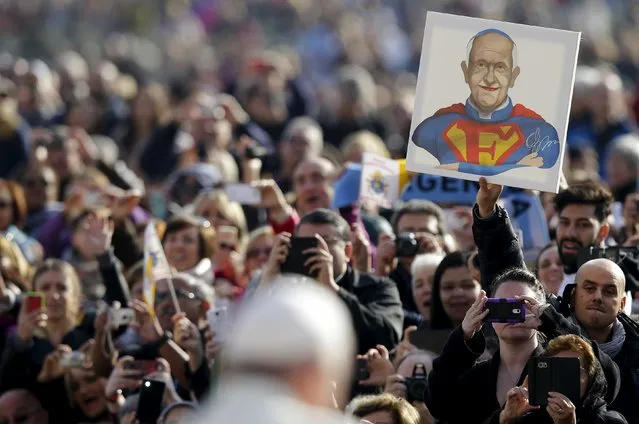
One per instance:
(296,322)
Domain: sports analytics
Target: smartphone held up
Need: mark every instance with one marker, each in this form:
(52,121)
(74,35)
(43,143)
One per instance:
(150,401)
(555,374)
(507,311)
(34,301)
(296,260)
(73,359)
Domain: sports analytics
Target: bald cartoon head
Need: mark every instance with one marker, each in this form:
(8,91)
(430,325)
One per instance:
(490,69)
(600,294)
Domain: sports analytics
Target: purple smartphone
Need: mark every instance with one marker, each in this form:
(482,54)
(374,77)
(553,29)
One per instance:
(506,310)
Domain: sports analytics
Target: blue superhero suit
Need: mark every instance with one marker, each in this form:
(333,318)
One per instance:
(487,146)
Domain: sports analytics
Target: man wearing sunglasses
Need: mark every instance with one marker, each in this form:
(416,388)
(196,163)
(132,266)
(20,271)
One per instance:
(193,296)
(21,407)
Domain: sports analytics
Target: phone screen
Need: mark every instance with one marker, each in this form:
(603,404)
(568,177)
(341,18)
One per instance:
(561,375)
(296,258)
(34,301)
(150,401)
(73,359)
(244,194)
(218,320)
(505,310)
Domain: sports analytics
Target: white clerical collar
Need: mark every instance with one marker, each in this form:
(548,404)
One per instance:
(488,115)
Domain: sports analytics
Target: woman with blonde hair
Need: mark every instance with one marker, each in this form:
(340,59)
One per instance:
(13,214)
(219,210)
(384,409)
(15,278)
(593,386)
(356,144)
(258,249)
(229,221)
(32,355)
(13,262)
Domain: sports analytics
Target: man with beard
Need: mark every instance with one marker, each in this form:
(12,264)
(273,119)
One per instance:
(598,299)
(583,212)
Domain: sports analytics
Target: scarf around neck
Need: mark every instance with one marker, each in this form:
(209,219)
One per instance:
(614,346)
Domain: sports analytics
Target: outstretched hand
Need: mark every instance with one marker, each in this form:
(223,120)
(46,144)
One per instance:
(487,197)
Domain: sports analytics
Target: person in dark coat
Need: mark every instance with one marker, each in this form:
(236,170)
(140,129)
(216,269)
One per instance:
(425,220)
(170,146)
(484,385)
(617,334)
(592,406)
(373,302)
(31,356)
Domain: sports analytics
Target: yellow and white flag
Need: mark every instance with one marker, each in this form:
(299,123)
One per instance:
(380,180)
(155,263)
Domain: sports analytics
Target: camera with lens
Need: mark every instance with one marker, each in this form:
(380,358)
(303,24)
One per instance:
(255,152)
(406,245)
(417,384)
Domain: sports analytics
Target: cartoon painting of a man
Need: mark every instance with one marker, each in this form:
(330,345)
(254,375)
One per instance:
(489,134)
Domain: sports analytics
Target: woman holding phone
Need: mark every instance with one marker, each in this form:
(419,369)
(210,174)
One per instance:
(560,410)
(50,327)
(484,386)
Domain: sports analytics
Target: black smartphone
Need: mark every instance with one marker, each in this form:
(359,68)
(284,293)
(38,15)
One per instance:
(296,259)
(361,372)
(559,375)
(505,310)
(150,401)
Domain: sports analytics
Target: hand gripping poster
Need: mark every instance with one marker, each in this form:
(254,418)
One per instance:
(492,101)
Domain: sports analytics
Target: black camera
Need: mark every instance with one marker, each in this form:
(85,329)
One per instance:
(417,385)
(613,253)
(406,245)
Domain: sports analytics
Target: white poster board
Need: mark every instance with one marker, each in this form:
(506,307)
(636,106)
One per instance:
(492,100)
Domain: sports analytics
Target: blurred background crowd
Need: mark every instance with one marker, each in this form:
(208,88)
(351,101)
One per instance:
(120,114)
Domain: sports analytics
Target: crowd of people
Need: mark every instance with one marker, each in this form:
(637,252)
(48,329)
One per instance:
(121,121)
